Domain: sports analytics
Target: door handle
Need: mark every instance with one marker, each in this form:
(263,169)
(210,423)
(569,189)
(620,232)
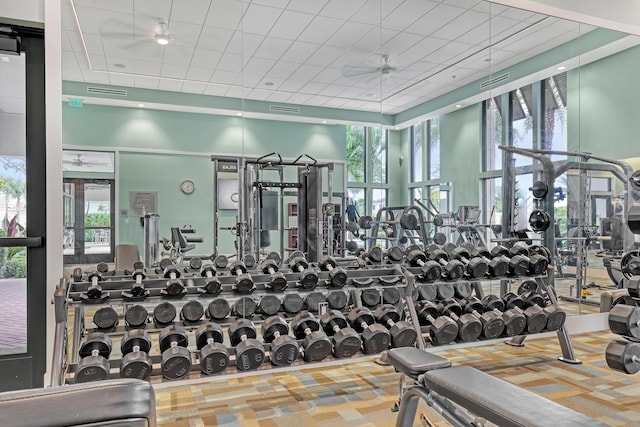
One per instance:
(30,242)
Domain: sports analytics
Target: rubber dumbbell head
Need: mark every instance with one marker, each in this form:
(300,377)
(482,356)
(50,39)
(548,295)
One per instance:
(308,277)
(536,316)
(136,362)
(174,286)
(244,282)
(176,357)
(316,345)
(214,356)
(218,309)
(212,284)
(337,275)
(514,320)
(284,348)
(136,316)
(105,318)
(277,280)
(94,353)
(492,322)
(474,267)
(442,329)
(430,270)
(403,334)
(469,326)
(249,351)
(375,337)
(346,341)
(452,269)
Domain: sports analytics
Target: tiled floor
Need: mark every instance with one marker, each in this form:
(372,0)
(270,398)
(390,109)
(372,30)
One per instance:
(362,393)
(13,316)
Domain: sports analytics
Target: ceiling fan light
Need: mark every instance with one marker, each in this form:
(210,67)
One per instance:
(162,39)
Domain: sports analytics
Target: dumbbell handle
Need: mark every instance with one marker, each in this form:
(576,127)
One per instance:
(420,262)
(238,271)
(271,270)
(172,275)
(336,328)
(209,274)
(299,268)
(364,325)
(276,335)
(136,349)
(95,352)
(390,322)
(307,331)
(138,279)
(94,280)
(442,261)
(451,314)
(243,338)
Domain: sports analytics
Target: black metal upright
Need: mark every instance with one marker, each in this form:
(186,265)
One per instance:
(310,212)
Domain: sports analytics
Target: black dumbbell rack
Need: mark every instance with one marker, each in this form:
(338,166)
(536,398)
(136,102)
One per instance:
(361,276)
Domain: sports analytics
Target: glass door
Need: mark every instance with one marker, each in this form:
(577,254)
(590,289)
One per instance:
(22,209)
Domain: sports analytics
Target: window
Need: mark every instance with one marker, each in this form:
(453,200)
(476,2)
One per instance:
(417,142)
(88,220)
(555,115)
(434,148)
(522,122)
(378,149)
(355,154)
(493,135)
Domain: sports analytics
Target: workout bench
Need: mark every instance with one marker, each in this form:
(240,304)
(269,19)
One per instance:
(452,390)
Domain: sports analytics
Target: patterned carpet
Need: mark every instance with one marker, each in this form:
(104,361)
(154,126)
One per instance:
(362,393)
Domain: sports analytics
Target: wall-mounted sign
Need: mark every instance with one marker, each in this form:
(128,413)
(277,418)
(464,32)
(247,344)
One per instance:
(143,202)
(227,166)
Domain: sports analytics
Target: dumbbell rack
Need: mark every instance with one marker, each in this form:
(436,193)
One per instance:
(68,299)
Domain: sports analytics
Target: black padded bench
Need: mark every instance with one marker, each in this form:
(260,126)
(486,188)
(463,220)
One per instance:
(112,403)
(481,394)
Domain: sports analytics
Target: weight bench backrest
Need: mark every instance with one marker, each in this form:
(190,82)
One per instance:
(500,402)
(180,241)
(113,403)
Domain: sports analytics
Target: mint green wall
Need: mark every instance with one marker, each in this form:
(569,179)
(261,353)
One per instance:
(460,156)
(159,149)
(603,112)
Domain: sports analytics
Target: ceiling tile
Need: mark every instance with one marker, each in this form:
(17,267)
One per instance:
(407,13)
(98,78)
(216,90)
(290,25)
(244,44)
(152,8)
(121,80)
(225,14)
(334,90)
(184,34)
(223,77)
(274,3)
(421,50)
(278,96)
(341,8)
(480,35)
(192,11)
(307,6)
(170,85)
(347,35)
(291,85)
(306,72)
(93,43)
(327,75)
(98,62)
(146,82)
(214,38)
(259,19)
(174,71)
(234,92)
(67,18)
(230,62)
(75,40)
(283,69)
(461,24)
(205,58)
(193,87)
(177,55)
(436,18)
(299,98)
(66,46)
(272,48)
(400,43)
(199,74)
(321,29)
(72,74)
(326,55)
(448,53)
(313,88)
(369,13)
(299,52)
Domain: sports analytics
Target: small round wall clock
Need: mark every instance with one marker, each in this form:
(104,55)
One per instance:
(187,186)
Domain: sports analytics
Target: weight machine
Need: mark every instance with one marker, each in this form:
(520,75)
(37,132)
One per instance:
(261,205)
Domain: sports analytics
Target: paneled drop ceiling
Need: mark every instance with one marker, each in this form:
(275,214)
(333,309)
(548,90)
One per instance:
(328,53)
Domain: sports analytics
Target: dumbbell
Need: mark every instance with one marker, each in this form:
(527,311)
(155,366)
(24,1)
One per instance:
(94,291)
(346,341)
(375,337)
(221,261)
(102,267)
(292,303)
(475,267)
(218,309)
(337,275)
(390,295)
(452,269)
(514,320)
(623,356)
(519,261)
(136,362)
(625,320)
(442,329)
(269,305)
(308,277)
(337,300)
(244,307)
(316,345)
(313,300)
(136,316)
(538,259)
(214,356)
(555,315)
(212,284)
(174,286)
(498,265)
(192,312)
(403,334)
(195,263)
(284,348)
(492,322)
(430,270)
(373,255)
(105,318)
(176,357)
(370,297)
(137,289)
(469,326)
(394,253)
(249,351)
(536,316)
(164,313)
(277,280)
(244,282)
(94,352)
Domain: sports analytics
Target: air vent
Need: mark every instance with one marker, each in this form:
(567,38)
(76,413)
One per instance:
(494,80)
(106,91)
(284,109)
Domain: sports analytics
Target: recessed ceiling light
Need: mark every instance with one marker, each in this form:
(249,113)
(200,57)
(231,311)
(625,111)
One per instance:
(458,105)
(324,121)
(140,105)
(397,127)
(562,67)
(118,65)
(162,39)
(269,83)
(5,59)
(238,114)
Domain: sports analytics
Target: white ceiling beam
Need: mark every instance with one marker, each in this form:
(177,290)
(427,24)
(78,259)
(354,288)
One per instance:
(619,15)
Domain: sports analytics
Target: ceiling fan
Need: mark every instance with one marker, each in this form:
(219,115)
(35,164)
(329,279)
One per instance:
(370,69)
(78,161)
(145,32)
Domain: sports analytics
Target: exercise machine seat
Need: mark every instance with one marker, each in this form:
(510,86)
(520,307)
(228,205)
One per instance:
(180,241)
(111,403)
(500,402)
(126,255)
(414,362)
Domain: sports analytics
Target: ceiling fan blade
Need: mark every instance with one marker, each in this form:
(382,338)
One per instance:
(351,72)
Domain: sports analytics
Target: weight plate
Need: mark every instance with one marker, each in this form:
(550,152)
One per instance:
(102,267)
(105,318)
(218,309)
(136,316)
(539,220)
(439,238)
(539,190)
(164,313)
